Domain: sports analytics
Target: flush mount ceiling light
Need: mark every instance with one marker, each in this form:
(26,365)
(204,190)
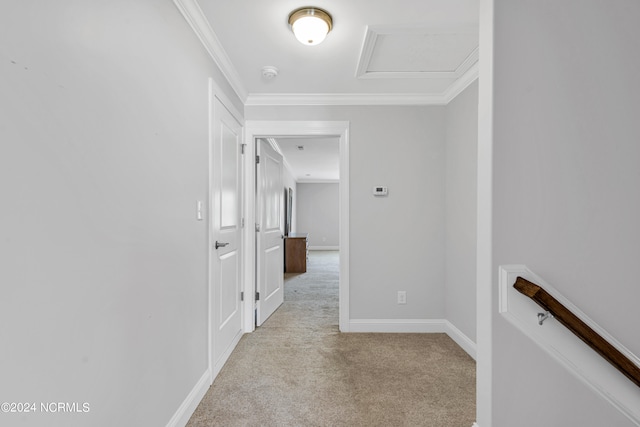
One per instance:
(310,24)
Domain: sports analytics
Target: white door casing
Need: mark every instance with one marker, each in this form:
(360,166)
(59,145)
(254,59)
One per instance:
(266,129)
(226,238)
(270,243)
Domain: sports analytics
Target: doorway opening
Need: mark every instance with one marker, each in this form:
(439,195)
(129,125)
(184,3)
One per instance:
(337,132)
(312,231)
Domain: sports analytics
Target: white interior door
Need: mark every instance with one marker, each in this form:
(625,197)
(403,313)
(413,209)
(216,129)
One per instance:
(226,308)
(270,243)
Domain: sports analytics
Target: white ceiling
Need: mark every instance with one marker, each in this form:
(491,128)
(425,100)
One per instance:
(380,52)
(417,51)
(318,161)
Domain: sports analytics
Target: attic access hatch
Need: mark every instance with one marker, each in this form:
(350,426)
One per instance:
(392,51)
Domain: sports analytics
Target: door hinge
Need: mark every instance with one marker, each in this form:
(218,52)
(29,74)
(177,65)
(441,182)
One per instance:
(257,159)
(257,296)
(242,147)
(241,296)
(257,227)
(241,222)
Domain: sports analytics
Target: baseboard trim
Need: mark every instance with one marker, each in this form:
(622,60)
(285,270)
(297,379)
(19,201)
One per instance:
(225,356)
(415,326)
(461,339)
(191,402)
(193,399)
(324,248)
(398,325)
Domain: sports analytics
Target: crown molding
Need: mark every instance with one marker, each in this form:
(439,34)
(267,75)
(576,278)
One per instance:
(276,146)
(469,62)
(318,181)
(191,11)
(310,99)
(462,83)
(328,99)
(194,16)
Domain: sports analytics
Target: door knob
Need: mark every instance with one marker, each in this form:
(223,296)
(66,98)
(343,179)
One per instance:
(220,245)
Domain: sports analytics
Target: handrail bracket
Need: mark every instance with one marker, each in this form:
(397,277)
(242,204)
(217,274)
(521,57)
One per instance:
(544,316)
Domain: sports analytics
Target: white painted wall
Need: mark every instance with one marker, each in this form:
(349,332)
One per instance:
(318,213)
(461,213)
(103,154)
(566,200)
(397,242)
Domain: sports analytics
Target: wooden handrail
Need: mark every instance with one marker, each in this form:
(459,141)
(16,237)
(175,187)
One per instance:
(579,328)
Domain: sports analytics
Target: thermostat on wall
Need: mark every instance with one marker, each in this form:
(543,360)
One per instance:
(380,191)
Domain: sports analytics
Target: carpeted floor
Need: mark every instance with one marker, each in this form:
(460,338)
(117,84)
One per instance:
(299,370)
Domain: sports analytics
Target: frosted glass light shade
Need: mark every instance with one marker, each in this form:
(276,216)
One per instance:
(310,25)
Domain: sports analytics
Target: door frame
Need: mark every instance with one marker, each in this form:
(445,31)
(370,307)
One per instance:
(272,129)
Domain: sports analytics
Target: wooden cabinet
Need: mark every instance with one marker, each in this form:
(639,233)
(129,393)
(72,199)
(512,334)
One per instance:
(296,250)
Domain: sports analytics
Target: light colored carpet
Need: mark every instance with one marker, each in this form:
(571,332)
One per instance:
(299,370)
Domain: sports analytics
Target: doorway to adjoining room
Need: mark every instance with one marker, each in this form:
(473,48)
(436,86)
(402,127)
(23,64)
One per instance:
(311,224)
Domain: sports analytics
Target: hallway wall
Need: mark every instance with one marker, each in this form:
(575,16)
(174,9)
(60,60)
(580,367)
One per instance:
(318,208)
(396,242)
(104,130)
(566,201)
(461,213)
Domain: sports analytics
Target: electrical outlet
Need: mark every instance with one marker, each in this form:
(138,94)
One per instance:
(402,297)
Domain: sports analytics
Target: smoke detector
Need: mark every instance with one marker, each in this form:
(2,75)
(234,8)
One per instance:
(269,72)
